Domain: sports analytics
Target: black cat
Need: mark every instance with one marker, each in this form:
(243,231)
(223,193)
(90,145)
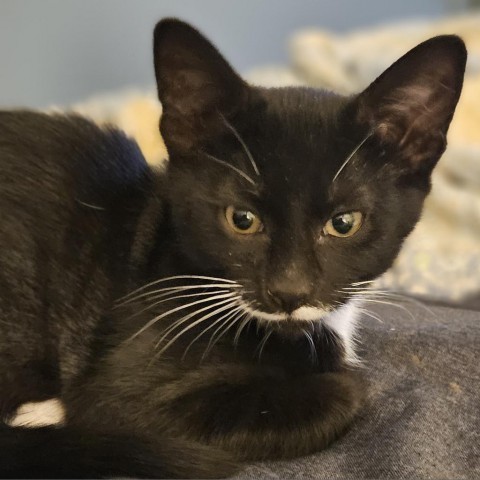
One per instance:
(192,318)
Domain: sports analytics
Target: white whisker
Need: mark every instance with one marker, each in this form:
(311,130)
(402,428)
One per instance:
(177,309)
(171,296)
(235,169)
(363,290)
(362,283)
(262,344)
(368,313)
(244,145)
(222,307)
(415,301)
(382,302)
(225,318)
(344,164)
(229,322)
(313,349)
(180,321)
(154,294)
(177,277)
(389,294)
(241,328)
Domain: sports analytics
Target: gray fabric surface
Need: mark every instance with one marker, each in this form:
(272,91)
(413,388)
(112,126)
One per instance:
(423,416)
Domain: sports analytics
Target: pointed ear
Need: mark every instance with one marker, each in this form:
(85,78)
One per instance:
(195,85)
(410,106)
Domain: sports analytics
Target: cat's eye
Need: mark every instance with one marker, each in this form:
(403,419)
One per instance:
(344,224)
(242,221)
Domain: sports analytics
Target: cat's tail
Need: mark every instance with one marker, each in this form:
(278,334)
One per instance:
(50,452)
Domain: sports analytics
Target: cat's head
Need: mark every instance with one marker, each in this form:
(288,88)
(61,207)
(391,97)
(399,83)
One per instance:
(298,194)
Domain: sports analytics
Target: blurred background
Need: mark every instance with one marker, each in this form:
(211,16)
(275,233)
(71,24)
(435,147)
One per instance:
(60,51)
(95,56)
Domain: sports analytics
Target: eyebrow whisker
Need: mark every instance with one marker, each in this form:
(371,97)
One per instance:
(356,149)
(244,145)
(235,169)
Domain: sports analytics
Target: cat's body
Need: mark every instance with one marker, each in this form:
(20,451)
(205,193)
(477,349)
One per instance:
(237,342)
(90,221)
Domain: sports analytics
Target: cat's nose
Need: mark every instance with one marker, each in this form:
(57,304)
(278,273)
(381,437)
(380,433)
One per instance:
(287,295)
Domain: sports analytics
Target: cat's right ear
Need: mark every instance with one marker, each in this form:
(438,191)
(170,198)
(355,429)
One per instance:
(196,85)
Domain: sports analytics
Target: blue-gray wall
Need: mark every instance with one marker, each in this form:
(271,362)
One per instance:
(59,51)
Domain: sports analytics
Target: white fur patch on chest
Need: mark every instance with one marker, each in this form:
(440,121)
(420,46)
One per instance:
(39,414)
(343,323)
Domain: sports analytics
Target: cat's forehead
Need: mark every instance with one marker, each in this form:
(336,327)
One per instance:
(294,126)
(297,139)
(300,111)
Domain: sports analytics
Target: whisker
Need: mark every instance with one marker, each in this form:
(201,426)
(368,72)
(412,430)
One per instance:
(368,313)
(244,145)
(382,302)
(192,325)
(177,277)
(171,296)
(262,344)
(415,301)
(90,205)
(363,290)
(180,321)
(367,294)
(235,169)
(161,291)
(313,349)
(387,294)
(362,283)
(229,322)
(177,309)
(225,317)
(356,149)
(241,327)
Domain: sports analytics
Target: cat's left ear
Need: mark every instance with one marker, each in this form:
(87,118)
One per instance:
(196,85)
(410,106)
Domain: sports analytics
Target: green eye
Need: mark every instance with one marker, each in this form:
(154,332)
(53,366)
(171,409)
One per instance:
(241,221)
(344,224)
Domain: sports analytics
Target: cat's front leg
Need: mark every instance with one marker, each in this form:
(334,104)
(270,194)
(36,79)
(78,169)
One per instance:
(266,413)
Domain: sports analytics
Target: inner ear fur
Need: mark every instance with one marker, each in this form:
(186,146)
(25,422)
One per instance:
(410,106)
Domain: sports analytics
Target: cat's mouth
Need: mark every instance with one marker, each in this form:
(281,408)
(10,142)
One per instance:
(300,315)
(340,320)
(294,324)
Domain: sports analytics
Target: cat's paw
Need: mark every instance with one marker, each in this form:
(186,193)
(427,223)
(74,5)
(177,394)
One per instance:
(39,414)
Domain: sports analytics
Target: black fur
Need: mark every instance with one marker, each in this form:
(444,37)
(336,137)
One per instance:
(85,221)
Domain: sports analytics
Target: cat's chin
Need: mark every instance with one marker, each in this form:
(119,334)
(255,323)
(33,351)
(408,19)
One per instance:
(341,321)
(291,328)
(291,324)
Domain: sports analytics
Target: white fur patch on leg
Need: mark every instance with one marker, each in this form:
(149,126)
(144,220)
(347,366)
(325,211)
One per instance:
(39,414)
(343,322)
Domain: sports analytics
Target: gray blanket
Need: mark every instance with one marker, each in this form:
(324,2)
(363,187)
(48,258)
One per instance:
(423,416)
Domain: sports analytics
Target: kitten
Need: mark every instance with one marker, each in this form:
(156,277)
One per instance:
(202,316)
